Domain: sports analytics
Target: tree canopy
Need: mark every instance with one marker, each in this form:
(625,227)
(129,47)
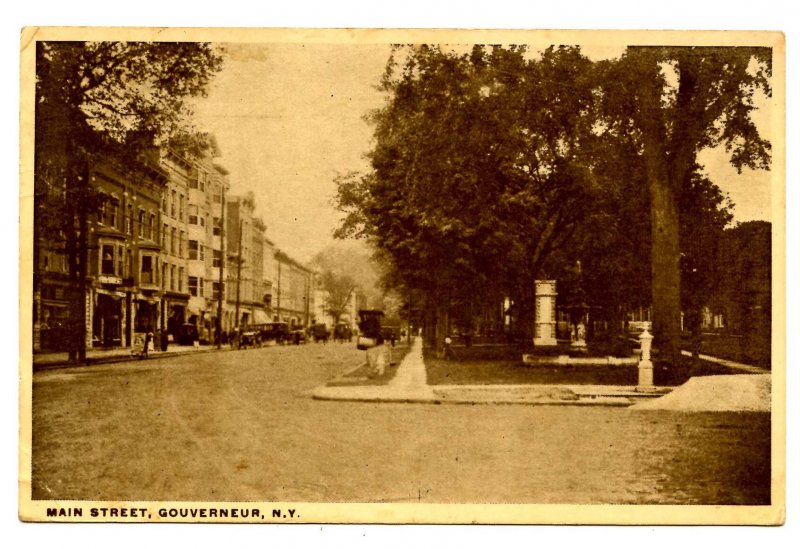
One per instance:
(494,167)
(675,102)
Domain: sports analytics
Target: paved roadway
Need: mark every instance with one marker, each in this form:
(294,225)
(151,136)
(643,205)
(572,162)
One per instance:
(239,425)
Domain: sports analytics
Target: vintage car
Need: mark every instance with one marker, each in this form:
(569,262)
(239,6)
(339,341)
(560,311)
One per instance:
(274,331)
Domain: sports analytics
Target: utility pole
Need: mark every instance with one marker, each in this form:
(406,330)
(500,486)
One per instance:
(279,287)
(308,298)
(238,276)
(221,268)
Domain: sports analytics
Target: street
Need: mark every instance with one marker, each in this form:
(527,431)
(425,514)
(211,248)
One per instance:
(240,426)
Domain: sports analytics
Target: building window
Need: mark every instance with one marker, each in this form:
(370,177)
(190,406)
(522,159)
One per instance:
(163,274)
(173,239)
(140,228)
(193,285)
(180,216)
(147,270)
(193,249)
(111,212)
(180,245)
(215,290)
(107,263)
(192,214)
(120,260)
(172,277)
(151,228)
(129,220)
(180,279)
(201,286)
(202,220)
(164,235)
(217,262)
(201,252)
(217,230)
(218,197)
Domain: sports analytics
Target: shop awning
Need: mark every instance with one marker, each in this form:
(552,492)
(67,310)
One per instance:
(260,317)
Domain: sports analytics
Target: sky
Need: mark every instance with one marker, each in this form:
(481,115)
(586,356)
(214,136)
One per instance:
(289,117)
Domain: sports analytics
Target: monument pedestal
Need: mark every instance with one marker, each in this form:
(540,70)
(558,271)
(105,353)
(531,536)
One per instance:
(645,365)
(545,325)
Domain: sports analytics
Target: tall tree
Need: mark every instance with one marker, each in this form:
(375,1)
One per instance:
(339,289)
(678,101)
(98,99)
(479,168)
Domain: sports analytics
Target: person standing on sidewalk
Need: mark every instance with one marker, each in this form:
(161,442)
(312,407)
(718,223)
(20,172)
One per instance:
(148,337)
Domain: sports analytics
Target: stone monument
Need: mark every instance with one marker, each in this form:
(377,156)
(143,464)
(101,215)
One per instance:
(645,365)
(544,334)
(579,342)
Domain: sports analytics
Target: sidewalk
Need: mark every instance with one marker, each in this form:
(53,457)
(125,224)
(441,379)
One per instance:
(410,386)
(730,364)
(120,354)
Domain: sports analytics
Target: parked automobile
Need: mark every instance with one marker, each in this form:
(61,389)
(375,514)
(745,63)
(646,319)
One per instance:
(297,336)
(250,337)
(270,331)
(369,325)
(320,332)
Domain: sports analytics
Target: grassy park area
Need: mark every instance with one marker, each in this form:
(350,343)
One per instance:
(503,365)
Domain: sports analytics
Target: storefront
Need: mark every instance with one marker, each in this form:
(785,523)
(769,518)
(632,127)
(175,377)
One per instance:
(174,314)
(146,314)
(107,319)
(51,318)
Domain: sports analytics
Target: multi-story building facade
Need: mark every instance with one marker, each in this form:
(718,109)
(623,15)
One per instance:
(293,290)
(192,215)
(206,194)
(123,294)
(174,231)
(247,289)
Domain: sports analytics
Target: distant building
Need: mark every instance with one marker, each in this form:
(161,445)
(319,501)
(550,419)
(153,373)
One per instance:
(245,281)
(293,289)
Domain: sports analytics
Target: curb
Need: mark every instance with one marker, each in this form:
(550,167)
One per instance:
(119,359)
(429,395)
(436,400)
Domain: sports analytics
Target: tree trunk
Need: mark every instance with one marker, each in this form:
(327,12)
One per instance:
(665,270)
(441,327)
(665,226)
(83,262)
(697,336)
(74,289)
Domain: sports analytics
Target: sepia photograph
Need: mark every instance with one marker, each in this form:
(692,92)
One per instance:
(402,276)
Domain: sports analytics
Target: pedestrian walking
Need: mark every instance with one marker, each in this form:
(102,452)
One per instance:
(447,352)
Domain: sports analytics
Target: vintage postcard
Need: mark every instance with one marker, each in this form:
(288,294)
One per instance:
(402,276)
